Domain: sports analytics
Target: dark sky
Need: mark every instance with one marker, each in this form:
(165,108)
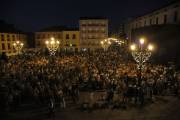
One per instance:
(32,15)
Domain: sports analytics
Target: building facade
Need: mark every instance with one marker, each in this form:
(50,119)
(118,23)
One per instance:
(9,34)
(92,31)
(69,38)
(42,36)
(169,14)
(7,40)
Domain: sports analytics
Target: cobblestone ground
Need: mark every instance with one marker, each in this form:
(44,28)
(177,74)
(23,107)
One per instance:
(164,108)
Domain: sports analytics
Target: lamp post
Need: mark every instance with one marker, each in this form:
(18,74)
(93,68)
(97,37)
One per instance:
(105,44)
(141,55)
(52,45)
(18,46)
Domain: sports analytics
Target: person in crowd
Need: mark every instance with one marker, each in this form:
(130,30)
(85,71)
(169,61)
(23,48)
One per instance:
(39,77)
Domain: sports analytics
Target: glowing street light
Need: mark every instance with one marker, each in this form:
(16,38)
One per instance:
(18,46)
(133,47)
(105,44)
(141,41)
(102,42)
(150,47)
(141,55)
(52,45)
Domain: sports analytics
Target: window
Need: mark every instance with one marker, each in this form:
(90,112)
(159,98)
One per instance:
(145,23)
(89,23)
(2,37)
(67,36)
(83,29)
(157,20)
(140,24)
(74,36)
(13,37)
(150,21)
(83,24)
(8,38)
(38,43)
(38,36)
(165,19)
(136,25)
(3,46)
(175,16)
(59,36)
(90,36)
(43,36)
(9,46)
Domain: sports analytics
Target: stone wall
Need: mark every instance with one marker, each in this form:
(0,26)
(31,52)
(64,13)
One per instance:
(167,41)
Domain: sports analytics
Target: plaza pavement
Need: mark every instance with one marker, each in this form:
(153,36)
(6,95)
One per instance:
(163,108)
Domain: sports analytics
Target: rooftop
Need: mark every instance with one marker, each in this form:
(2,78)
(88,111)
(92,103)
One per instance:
(8,28)
(58,29)
(174,2)
(92,18)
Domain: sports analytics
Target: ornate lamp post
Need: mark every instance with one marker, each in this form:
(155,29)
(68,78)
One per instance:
(141,55)
(52,45)
(18,46)
(105,44)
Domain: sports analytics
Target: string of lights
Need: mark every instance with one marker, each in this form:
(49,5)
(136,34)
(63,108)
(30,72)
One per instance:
(52,46)
(18,46)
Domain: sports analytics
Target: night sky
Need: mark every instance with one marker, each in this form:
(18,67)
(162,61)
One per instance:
(32,15)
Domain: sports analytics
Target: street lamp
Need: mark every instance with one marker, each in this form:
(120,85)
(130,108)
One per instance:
(105,44)
(141,55)
(141,41)
(18,46)
(52,45)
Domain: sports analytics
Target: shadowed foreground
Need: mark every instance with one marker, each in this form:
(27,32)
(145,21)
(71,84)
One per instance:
(164,108)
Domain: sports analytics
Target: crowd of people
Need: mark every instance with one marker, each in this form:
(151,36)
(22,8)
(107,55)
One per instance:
(47,80)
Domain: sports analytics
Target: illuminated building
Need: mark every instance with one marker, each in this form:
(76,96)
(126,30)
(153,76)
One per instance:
(169,14)
(8,35)
(92,31)
(161,27)
(68,37)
